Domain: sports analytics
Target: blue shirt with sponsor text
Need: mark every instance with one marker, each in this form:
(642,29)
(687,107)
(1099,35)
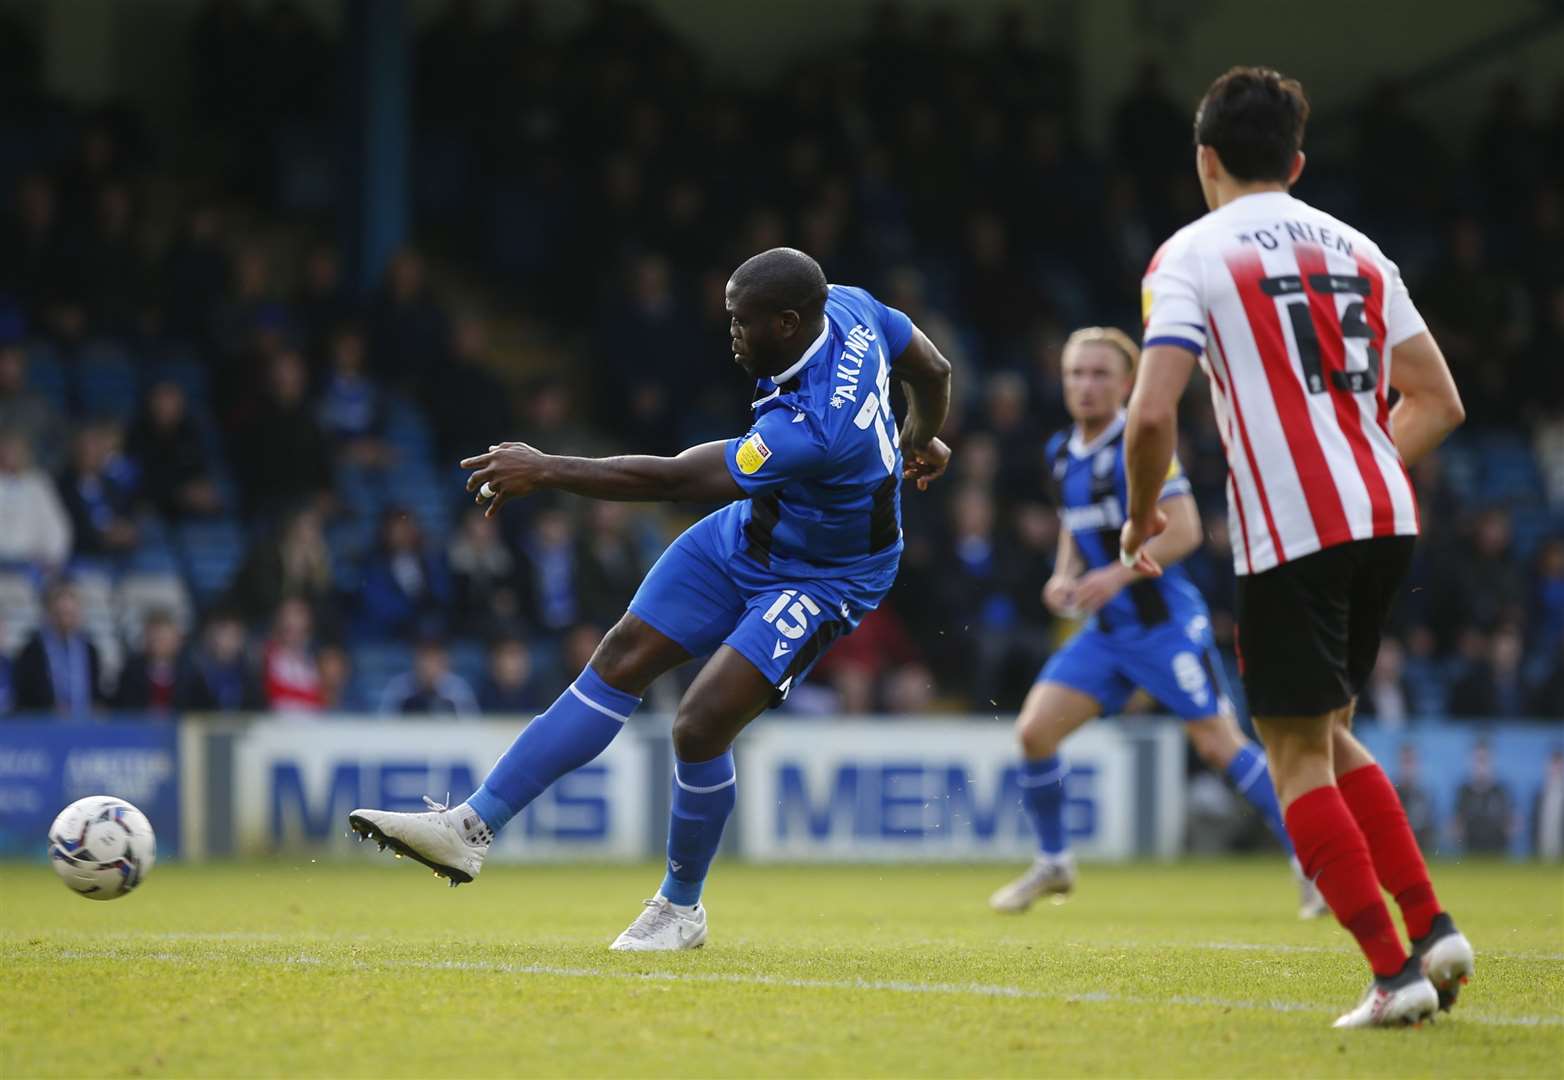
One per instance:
(821,462)
(1093,496)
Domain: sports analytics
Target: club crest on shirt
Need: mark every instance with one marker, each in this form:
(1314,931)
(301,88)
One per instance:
(752,454)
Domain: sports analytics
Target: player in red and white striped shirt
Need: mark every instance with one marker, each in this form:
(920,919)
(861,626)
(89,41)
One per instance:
(1304,327)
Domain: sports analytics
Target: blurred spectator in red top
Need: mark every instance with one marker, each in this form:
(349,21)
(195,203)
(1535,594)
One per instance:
(290,676)
(878,662)
(151,677)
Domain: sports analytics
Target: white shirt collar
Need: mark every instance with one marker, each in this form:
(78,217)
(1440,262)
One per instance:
(809,354)
(1080,449)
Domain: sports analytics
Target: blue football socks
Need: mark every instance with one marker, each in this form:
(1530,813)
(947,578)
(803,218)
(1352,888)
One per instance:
(573,731)
(703,796)
(1042,793)
(1249,775)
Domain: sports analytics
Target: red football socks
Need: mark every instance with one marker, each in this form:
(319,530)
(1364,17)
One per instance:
(1397,860)
(1334,853)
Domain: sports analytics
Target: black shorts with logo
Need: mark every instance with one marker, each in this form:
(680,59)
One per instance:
(1309,629)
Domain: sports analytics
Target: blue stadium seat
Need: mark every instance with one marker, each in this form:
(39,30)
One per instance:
(470,660)
(46,375)
(408,431)
(212,552)
(420,489)
(374,665)
(106,383)
(187,373)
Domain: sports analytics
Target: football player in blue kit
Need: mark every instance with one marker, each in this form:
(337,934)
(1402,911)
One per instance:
(808,543)
(1141,631)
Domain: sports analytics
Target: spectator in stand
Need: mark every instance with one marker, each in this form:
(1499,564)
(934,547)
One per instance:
(1547,812)
(608,562)
(1387,699)
(34,526)
(469,407)
(431,688)
(1416,801)
(23,412)
(408,328)
(99,492)
(32,268)
(552,420)
(352,409)
(7,694)
(170,456)
(975,592)
(508,686)
(1547,617)
(322,303)
(290,676)
(196,276)
(58,670)
(1481,583)
(1493,688)
(219,677)
(862,668)
(1475,307)
(291,561)
(487,581)
(1149,130)
(281,452)
(1008,420)
(1547,698)
(1484,817)
(337,691)
(108,271)
(150,679)
(550,549)
(643,385)
(405,587)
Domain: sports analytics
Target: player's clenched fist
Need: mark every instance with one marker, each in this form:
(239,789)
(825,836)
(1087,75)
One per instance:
(1059,596)
(925,463)
(508,470)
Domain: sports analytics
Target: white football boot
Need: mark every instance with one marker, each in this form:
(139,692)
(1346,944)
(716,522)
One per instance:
(1049,875)
(1311,903)
(1406,998)
(664,926)
(1446,957)
(451,842)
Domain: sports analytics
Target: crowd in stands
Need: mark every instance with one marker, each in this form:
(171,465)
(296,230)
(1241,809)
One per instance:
(227,477)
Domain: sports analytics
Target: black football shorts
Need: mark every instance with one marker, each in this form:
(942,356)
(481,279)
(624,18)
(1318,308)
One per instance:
(1309,629)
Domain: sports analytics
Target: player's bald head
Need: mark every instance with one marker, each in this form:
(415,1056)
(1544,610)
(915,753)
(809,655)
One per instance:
(782,279)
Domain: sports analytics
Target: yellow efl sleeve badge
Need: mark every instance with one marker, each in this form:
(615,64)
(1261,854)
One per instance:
(752,454)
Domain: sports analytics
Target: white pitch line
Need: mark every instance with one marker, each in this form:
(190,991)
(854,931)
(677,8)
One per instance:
(1266,947)
(895,986)
(1214,946)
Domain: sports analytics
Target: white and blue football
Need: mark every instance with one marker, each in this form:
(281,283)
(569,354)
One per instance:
(102,847)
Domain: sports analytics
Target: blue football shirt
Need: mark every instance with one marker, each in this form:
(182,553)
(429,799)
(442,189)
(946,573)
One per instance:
(821,462)
(1093,498)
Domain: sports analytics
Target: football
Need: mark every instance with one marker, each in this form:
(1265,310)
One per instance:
(102,847)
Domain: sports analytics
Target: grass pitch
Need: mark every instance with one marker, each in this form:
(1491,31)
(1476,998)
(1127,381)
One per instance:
(377,969)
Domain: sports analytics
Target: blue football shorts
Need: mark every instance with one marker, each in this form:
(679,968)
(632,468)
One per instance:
(704,592)
(1175,662)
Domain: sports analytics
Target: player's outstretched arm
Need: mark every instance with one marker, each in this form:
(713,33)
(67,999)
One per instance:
(1150,437)
(1430,407)
(925,372)
(513,469)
